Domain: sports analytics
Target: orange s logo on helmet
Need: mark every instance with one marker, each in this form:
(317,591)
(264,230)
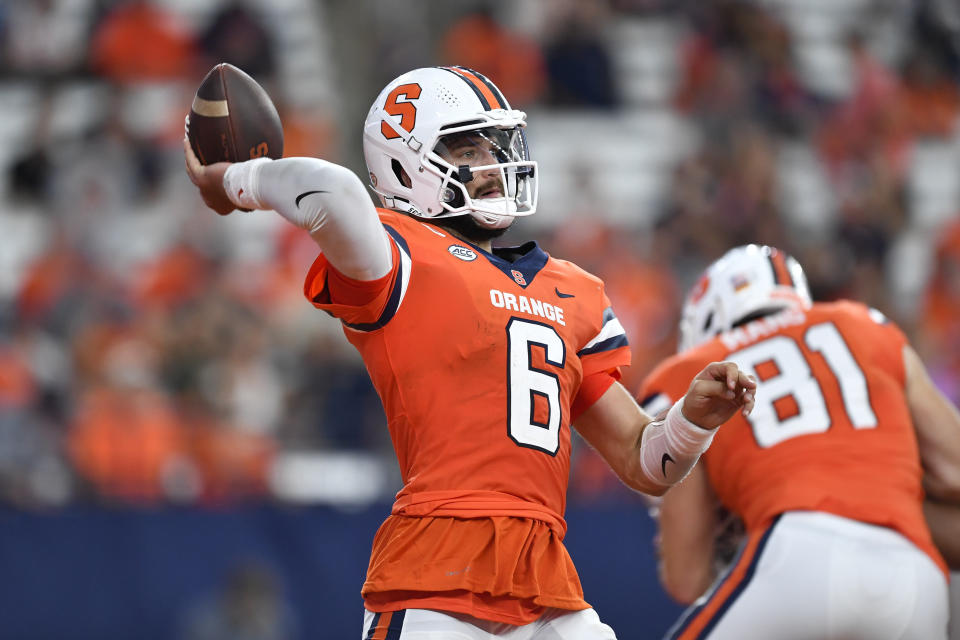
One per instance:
(405,109)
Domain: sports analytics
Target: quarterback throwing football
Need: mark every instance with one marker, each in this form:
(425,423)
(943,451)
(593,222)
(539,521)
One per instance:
(483,358)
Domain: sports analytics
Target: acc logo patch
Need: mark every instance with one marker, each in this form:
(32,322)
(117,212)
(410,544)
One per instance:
(464,253)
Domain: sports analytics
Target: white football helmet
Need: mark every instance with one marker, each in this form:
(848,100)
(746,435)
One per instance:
(750,280)
(414,123)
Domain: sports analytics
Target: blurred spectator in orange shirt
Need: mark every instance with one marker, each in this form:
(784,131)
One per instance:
(125,434)
(172,279)
(125,441)
(140,41)
(17,386)
(511,60)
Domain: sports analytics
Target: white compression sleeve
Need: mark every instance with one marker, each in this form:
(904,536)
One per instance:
(670,447)
(327,200)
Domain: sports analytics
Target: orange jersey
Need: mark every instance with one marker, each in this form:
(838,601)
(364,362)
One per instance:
(477,359)
(831,430)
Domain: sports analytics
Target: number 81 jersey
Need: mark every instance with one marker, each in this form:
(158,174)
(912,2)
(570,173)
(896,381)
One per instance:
(477,358)
(831,430)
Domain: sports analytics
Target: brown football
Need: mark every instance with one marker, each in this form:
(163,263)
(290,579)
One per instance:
(233,119)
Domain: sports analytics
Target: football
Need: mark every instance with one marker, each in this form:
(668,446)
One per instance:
(233,119)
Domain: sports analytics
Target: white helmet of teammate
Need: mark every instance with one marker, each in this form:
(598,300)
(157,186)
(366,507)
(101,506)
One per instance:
(748,281)
(410,126)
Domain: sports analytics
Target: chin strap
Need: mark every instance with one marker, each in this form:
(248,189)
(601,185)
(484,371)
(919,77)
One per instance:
(670,447)
(491,222)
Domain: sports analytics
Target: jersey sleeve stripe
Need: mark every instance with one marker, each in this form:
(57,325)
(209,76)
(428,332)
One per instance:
(399,286)
(611,336)
(607,345)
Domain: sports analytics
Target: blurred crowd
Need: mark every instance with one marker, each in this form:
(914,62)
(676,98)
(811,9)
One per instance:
(151,352)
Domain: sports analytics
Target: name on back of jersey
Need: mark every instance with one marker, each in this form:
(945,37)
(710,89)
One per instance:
(761,328)
(528,305)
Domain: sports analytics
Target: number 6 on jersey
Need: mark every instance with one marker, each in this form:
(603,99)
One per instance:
(526,383)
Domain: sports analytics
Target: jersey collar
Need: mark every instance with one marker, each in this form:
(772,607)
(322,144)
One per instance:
(521,264)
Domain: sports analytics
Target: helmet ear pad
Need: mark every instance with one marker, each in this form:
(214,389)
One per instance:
(401,174)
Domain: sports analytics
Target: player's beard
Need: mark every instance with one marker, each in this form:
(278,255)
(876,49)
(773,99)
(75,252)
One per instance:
(469,228)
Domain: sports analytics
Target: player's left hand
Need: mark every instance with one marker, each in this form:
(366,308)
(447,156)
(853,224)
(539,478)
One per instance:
(716,393)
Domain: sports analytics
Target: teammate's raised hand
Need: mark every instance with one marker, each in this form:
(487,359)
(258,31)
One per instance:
(209,179)
(716,393)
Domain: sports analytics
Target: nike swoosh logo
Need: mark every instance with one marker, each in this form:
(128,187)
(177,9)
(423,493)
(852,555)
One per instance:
(304,195)
(663,463)
(562,295)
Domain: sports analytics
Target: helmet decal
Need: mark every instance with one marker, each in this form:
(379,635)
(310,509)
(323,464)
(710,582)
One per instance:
(739,281)
(486,91)
(407,110)
(700,288)
(778,262)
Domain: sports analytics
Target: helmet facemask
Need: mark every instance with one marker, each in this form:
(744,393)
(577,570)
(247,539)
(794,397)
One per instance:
(490,161)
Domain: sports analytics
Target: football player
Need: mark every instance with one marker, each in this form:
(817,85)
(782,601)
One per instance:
(483,358)
(827,474)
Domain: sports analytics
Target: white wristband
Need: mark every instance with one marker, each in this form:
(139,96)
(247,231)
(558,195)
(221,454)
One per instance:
(241,183)
(670,447)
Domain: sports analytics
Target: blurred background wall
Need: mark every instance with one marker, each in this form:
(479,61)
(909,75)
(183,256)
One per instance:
(176,419)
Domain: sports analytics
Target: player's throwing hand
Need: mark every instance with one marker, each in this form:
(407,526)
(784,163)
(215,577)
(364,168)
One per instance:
(208,179)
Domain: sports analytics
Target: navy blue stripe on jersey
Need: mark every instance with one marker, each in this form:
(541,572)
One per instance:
(529,264)
(611,336)
(479,94)
(399,239)
(399,286)
(692,612)
(373,627)
(396,625)
(607,345)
